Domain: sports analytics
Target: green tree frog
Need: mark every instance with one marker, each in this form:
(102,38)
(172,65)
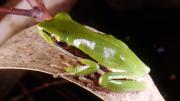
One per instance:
(125,69)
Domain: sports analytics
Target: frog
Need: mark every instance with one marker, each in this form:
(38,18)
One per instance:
(125,70)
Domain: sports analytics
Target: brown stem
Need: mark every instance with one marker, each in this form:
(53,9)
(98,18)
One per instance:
(16,11)
(39,5)
(38,11)
(43,8)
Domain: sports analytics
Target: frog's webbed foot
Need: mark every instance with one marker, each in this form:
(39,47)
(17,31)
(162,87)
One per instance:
(88,68)
(118,82)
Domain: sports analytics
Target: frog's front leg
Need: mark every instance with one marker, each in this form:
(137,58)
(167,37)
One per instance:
(121,82)
(88,68)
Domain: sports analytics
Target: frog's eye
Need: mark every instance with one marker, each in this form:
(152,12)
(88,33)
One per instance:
(51,36)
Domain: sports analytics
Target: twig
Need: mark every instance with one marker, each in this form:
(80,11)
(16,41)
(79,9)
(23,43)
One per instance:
(38,11)
(39,5)
(43,8)
(9,3)
(31,13)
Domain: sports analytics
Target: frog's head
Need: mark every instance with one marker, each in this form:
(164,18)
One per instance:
(51,30)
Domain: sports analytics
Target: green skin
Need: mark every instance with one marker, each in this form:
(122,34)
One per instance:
(125,68)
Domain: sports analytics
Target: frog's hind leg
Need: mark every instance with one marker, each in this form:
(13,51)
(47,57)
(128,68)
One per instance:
(117,82)
(88,68)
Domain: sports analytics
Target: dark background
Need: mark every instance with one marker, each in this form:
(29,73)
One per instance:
(150,28)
